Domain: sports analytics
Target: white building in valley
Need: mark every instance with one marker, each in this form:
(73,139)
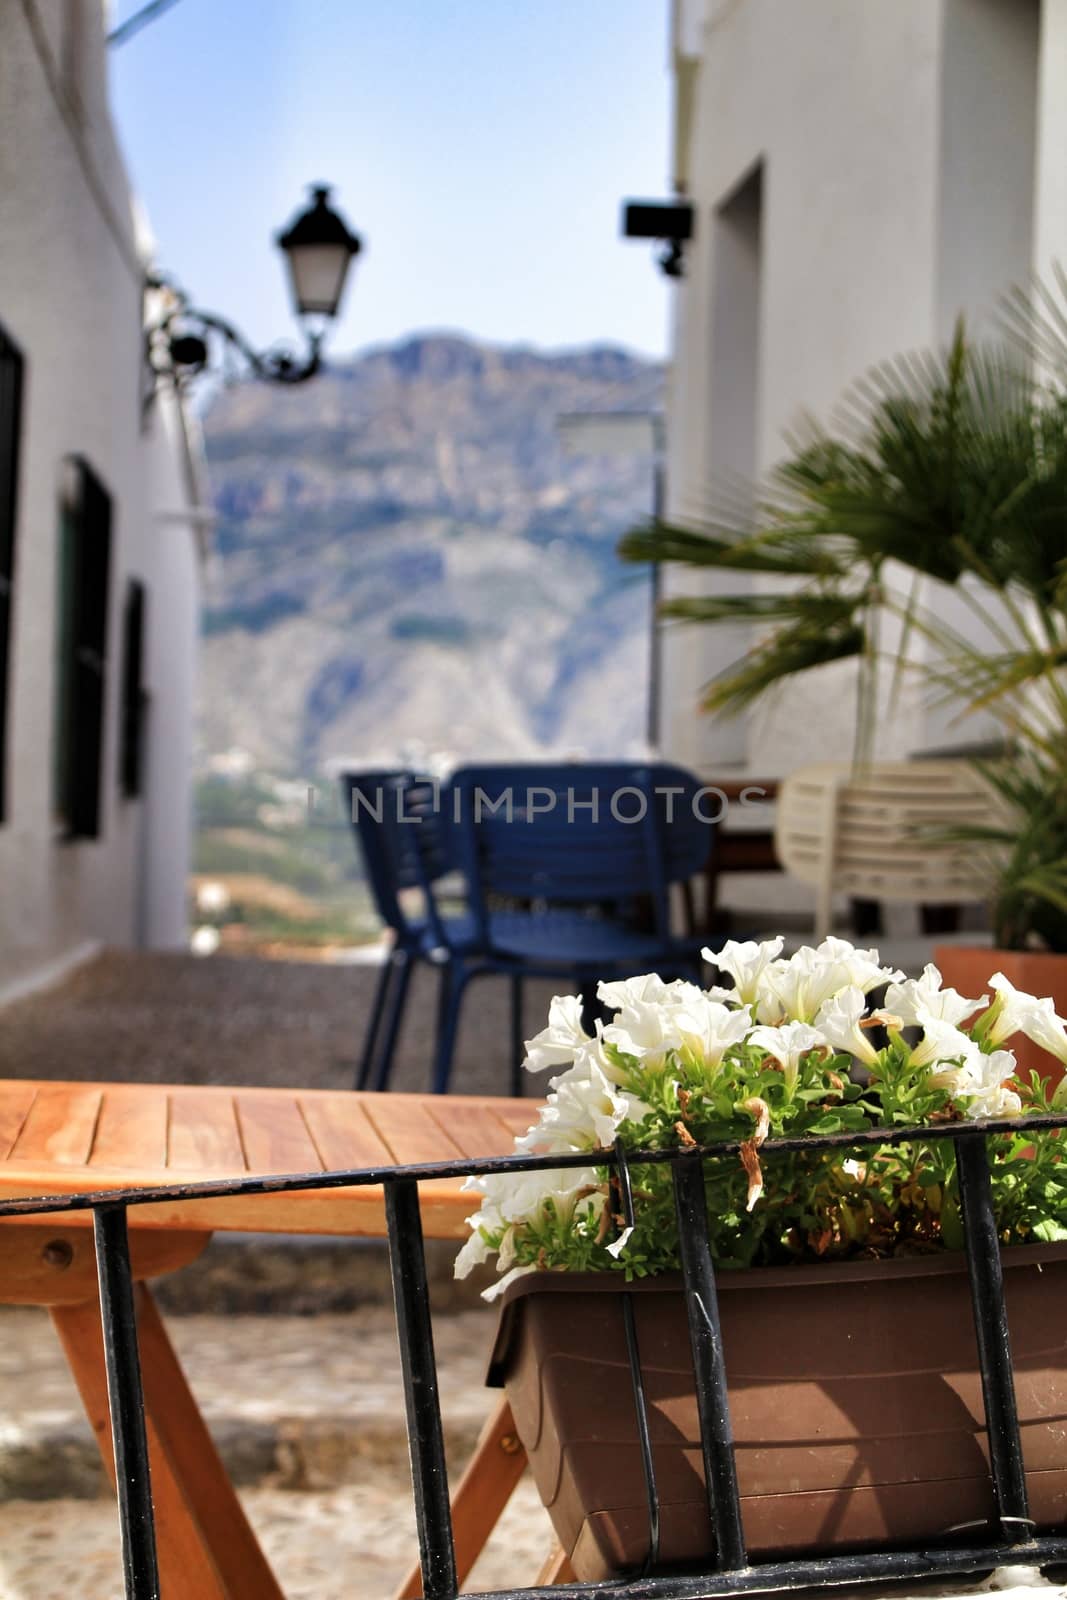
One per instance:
(99,553)
(861,171)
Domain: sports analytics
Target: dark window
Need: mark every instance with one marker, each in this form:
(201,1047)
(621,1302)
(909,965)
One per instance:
(134,695)
(10,430)
(85,568)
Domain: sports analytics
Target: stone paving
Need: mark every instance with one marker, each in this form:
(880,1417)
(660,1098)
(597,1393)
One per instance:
(151,1017)
(308,1413)
(323,1546)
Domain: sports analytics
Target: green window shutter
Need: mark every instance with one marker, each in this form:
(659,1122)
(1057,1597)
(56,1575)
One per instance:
(134,695)
(11,369)
(85,579)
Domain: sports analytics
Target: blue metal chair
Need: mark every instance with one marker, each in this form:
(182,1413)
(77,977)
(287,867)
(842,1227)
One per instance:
(396,819)
(578,848)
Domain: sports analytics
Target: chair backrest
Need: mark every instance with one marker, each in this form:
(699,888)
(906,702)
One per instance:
(872,834)
(395,815)
(579,833)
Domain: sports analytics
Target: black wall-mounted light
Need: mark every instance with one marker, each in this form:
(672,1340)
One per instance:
(671,223)
(319,249)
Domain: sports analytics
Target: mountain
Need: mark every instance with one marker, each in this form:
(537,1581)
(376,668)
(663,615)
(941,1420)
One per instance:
(406,559)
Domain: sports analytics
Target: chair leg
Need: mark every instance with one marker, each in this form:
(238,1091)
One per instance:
(518,1045)
(454,980)
(591,1007)
(404,964)
(381,991)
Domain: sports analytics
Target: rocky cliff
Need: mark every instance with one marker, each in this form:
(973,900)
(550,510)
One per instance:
(406,557)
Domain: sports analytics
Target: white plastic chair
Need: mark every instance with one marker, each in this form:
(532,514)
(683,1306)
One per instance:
(867,834)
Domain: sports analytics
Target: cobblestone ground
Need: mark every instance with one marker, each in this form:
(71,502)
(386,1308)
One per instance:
(308,1413)
(323,1546)
(151,1017)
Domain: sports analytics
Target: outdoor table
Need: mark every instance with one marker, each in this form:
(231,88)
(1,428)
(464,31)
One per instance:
(60,1138)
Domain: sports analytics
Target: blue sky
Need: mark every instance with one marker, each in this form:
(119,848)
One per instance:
(481,147)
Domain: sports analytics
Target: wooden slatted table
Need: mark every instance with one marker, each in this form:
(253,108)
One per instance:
(64,1138)
(59,1138)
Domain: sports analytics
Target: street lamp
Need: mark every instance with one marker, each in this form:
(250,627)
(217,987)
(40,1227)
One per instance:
(319,249)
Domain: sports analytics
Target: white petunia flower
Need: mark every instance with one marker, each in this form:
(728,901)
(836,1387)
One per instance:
(495,1290)
(617,1247)
(584,1112)
(708,1029)
(654,1019)
(745,961)
(796,989)
(510,1199)
(918,1001)
(977,1080)
(986,1089)
(475,1251)
(648,989)
(1013,1012)
(559,1043)
(645,1030)
(838,1021)
(788,1045)
(941,1042)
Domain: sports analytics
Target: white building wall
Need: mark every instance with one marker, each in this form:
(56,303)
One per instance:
(986,156)
(71,298)
(1050,182)
(838,103)
(901,144)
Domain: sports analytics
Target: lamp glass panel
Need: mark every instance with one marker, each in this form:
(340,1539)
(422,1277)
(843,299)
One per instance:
(318,272)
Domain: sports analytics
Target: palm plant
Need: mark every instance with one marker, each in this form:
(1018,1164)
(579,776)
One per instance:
(946,468)
(1025,849)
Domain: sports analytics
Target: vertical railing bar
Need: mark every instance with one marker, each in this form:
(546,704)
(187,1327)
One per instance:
(993,1339)
(709,1365)
(429,1475)
(118,1315)
(637,1377)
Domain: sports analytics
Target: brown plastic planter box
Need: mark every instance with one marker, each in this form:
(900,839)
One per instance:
(855,1397)
(969,968)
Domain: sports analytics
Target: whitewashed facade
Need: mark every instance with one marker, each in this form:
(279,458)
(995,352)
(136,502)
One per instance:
(861,172)
(71,309)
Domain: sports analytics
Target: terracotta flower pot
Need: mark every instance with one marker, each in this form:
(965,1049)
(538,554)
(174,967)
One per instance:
(855,1398)
(969,968)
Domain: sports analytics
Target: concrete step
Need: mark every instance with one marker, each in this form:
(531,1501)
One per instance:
(243,1274)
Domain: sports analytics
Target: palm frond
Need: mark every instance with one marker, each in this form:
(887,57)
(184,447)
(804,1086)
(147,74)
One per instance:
(801,606)
(792,649)
(778,552)
(940,463)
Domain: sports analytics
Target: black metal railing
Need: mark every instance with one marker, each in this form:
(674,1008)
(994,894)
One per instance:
(1012,1541)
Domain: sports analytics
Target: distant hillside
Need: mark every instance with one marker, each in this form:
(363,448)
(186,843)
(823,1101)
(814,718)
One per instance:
(405,556)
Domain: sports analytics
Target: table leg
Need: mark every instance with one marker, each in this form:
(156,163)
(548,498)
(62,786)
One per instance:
(555,1569)
(497,1464)
(207,1549)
